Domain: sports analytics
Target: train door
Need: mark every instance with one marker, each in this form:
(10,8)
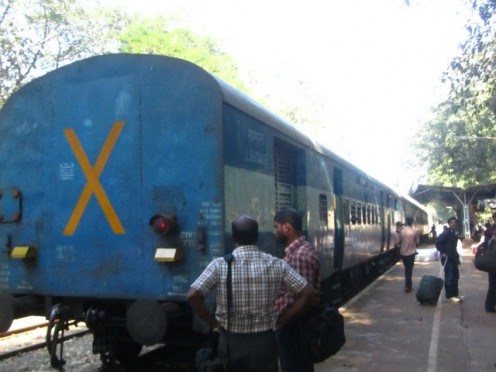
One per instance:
(389,222)
(383,221)
(285,182)
(284,176)
(390,210)
(338,219)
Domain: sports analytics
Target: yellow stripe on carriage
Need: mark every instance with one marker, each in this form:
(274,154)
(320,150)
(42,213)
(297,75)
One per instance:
(93,184)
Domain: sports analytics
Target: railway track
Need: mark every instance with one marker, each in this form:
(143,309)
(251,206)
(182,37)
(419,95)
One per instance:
(29,335)
(25,345)
(24,328)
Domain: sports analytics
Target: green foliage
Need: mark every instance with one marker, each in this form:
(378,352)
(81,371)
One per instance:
(458,144)
(459,147)
(472,74)
(42,35)
(39,36)
(160,36)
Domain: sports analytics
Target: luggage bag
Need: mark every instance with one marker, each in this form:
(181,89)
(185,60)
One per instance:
(429,289)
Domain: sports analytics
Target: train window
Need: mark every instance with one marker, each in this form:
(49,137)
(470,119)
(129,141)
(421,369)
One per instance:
(323,209)
(346,211)
(369,219)
(284,176)
(353,213)
(364,214)
(359,213)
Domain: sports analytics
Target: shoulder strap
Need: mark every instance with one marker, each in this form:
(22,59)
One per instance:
(229,259)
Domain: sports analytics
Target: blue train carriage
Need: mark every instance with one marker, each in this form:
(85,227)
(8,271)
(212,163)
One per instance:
(348,215)
(112,185)
(120,177)
(366,210)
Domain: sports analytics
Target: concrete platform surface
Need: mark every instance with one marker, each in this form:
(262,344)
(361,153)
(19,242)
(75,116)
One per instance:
(388,330)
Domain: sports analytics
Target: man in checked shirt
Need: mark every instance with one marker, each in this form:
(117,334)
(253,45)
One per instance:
(256,280)
(294,353)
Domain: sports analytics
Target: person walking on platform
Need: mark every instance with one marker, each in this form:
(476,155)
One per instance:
(294,353)
(409,241)
(446,244)
(490,303)
(488,233)
(433,231)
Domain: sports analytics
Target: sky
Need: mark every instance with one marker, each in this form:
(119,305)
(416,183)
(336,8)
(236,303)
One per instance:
(373,66)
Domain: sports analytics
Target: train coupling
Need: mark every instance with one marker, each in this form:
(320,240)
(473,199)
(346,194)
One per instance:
(57,325)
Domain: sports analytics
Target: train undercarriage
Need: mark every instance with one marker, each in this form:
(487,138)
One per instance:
(122,328)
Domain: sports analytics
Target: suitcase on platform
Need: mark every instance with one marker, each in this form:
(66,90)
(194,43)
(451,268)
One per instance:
(429,289)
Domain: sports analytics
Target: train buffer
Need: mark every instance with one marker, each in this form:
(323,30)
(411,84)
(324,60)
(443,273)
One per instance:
(388,330)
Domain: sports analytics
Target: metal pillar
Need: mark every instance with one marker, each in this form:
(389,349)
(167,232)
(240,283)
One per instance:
(466,214)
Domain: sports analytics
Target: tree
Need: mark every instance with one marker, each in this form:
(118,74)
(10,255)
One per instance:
(458,147)
(161,36)
(39,36)
(472,74)
(459,143)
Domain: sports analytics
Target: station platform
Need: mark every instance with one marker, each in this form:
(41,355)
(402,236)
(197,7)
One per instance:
(388,330)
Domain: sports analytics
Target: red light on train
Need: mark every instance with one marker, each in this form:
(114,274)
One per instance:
(163,225)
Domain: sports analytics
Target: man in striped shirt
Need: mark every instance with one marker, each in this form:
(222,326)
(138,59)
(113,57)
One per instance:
(257,278)
(294,353)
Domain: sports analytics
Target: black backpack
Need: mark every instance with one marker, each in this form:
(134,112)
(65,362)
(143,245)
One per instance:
(324,331)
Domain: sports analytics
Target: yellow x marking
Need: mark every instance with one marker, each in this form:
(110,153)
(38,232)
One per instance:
(93,184)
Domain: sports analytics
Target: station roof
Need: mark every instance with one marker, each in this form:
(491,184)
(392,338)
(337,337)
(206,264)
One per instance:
(427,193)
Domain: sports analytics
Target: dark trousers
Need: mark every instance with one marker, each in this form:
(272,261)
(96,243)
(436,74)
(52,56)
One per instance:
(250,352)
(451,276)
(408,262)
(491,292)
(294,352)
